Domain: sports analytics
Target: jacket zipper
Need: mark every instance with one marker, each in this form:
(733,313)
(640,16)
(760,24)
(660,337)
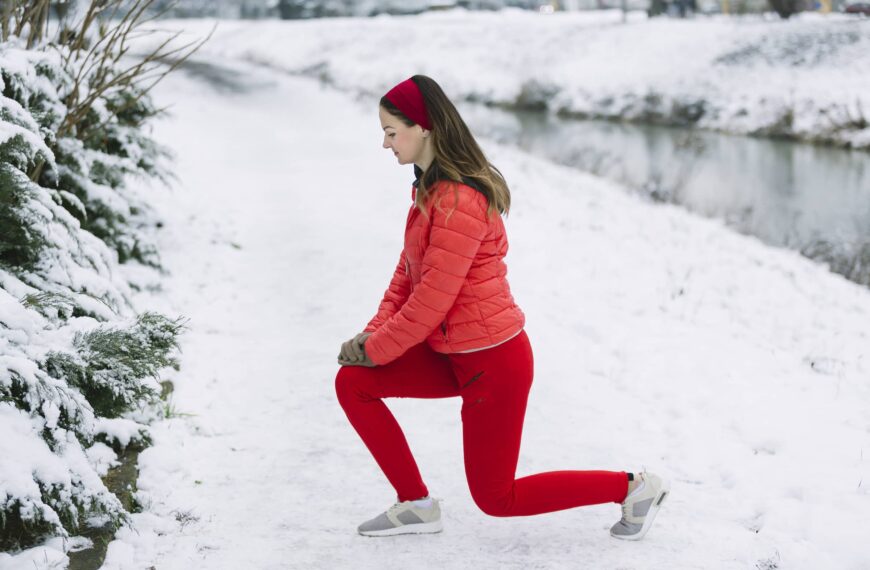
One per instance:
(444,331)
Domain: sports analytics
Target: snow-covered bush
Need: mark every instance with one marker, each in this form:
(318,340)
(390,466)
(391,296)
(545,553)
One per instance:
(74,355)
(93,170)
(117,369)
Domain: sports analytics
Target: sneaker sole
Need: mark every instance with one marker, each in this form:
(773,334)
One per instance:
(663,494)
(419,528)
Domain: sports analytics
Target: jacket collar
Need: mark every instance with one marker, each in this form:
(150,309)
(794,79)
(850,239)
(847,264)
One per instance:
(418,172)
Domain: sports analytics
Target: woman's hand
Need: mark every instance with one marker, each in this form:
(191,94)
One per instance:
(353,352)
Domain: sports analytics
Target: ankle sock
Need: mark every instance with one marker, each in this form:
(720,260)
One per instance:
(423,503)
(634,483)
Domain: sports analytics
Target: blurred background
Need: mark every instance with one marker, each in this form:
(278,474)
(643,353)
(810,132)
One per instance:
(662,142)
(293,9)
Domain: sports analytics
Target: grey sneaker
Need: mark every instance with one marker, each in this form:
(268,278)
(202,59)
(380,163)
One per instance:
(640,507)
(404,518)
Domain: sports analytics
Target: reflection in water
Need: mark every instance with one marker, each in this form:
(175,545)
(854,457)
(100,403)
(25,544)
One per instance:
(810,198)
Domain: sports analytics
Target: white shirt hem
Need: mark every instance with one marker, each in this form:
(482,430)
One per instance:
(490,346)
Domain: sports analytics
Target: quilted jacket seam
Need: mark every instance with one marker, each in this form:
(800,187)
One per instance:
(480,313)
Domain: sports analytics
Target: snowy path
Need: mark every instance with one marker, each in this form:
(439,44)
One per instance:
(660,340)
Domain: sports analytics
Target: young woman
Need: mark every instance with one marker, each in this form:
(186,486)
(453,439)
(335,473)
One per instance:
(448,326)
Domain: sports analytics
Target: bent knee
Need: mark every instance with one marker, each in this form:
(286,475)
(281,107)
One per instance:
(494,504)
(344,381)
(350,383)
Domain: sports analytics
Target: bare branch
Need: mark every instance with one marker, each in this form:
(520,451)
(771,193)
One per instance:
(141,76)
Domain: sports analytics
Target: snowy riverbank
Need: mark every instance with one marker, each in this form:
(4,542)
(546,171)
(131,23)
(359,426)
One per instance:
(807,78)
(661,340)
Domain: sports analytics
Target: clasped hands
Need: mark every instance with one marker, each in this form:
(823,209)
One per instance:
(353,352)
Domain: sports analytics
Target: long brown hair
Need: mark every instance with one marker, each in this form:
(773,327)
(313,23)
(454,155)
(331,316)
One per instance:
(457,154)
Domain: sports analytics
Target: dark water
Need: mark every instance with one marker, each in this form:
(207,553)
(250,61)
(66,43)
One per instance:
(810,198)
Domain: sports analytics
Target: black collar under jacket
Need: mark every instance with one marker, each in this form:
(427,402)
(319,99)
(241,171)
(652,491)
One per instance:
(418,172)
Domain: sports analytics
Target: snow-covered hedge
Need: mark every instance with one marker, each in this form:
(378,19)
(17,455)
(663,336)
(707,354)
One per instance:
(74,355)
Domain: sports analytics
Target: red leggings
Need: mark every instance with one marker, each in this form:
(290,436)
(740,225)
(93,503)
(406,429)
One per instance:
(494,385)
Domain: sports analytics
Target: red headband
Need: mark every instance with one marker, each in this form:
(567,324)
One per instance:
(407,98)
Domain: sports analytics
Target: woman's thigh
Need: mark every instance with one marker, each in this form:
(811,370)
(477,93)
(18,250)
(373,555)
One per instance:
(494,385)
(419,373)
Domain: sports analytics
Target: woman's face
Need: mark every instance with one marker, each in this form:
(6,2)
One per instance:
(405,142)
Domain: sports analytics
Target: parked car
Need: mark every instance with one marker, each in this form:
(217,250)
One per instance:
(859,8)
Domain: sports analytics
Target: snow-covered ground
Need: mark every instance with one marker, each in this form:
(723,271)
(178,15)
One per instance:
(807,78)
(661,340)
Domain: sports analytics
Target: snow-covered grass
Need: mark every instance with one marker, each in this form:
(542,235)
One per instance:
(661,340)
(806,78)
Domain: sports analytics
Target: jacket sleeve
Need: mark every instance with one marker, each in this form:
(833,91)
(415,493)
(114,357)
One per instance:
(394,297)
(455,236)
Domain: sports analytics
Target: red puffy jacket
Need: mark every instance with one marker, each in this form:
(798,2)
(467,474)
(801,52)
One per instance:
(449,287)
